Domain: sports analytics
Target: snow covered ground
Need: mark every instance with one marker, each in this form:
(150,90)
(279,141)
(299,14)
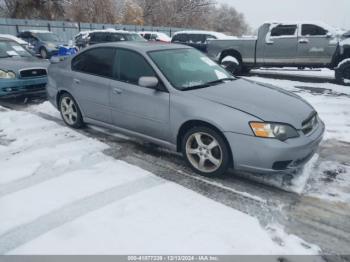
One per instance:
(60,194)
(293,71)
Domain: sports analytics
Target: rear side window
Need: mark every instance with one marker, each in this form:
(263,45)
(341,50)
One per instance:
(313,30)
(182,38)
(196,38)
(131,66)
(284,30)
(97,61)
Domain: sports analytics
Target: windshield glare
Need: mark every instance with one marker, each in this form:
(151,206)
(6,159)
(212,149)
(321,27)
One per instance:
(188,68)
(47,37)
(12,49)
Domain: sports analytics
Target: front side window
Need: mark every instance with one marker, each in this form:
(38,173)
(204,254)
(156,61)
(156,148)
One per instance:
(131,66)
(284,30)
(97,61)
(313,30)
(188,68)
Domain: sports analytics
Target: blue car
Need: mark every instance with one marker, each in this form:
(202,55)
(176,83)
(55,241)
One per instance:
(45,43)
(20,72)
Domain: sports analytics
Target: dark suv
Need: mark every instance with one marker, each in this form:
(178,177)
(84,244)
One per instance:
(98,37)
(196,39)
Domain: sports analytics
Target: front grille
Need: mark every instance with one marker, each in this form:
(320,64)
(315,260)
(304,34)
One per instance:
(33,73)
(310,124)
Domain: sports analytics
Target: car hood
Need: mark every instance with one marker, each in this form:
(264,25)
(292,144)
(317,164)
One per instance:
(17,63)
(270,104)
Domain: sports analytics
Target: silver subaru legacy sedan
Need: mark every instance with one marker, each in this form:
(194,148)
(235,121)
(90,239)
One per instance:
(178,98)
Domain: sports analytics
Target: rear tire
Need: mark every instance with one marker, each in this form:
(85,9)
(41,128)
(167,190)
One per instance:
(206,151)
(342,73)
(231,64)
(70,111)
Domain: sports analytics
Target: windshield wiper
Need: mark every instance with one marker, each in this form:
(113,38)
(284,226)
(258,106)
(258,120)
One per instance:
(211,83)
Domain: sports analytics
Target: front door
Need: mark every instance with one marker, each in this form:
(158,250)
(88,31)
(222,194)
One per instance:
(135,108)
(93,70)
(280,46)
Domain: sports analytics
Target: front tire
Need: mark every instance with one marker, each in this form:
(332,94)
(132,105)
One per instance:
(70,111)
(342,73)
(206,151)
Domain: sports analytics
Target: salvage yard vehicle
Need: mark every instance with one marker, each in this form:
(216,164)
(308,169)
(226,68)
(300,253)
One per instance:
(20,72)
(176,97)
(278,44)
(88,38)
(197,39)
(46,44)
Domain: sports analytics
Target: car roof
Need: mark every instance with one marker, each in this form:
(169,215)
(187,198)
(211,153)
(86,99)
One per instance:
(143,46)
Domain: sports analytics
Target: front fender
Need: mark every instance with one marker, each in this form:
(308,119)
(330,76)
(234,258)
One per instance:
(186,108)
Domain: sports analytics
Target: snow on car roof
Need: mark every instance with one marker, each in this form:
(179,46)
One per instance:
(13,38)
(218,35)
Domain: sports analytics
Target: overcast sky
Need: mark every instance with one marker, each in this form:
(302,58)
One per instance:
(333,12)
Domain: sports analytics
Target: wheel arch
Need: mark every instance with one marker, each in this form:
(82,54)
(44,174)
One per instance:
(231,52)
(192,123)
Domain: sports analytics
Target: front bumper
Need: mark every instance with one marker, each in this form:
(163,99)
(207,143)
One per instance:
(259,155)
(16,87)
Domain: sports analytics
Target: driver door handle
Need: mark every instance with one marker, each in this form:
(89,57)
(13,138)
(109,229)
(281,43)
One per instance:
(77,81)
(303,41)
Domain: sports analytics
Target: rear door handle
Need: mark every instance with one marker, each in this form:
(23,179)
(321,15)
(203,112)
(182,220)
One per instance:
(77,81)
(117,91)
(303,41)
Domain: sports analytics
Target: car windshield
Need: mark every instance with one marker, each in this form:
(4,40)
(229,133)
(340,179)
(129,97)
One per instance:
(47,37)
(134,37)
(12,49)
(188,69)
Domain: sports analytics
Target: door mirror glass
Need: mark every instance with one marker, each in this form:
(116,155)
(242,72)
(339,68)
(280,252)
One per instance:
(148,81)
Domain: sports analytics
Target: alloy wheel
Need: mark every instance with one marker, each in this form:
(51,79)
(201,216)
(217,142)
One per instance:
(204,152)
(69,110)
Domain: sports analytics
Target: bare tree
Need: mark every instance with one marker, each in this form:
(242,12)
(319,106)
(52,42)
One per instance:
(227,19)
(43,9)
(91,11)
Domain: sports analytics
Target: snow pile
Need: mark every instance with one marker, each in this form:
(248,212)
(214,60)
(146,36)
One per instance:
(66,197)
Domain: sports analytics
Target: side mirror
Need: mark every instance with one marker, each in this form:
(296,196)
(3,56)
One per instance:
(329,35)
(148,81)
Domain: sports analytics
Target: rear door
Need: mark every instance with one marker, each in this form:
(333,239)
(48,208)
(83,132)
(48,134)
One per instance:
(93,70)
(135,108)
(315,45)
(281,44)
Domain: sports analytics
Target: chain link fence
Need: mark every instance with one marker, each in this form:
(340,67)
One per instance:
(67,30)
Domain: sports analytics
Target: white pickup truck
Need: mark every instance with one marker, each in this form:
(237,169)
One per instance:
(280,44)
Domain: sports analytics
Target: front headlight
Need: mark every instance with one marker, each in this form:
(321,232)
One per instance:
(7,74)
(281,132)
